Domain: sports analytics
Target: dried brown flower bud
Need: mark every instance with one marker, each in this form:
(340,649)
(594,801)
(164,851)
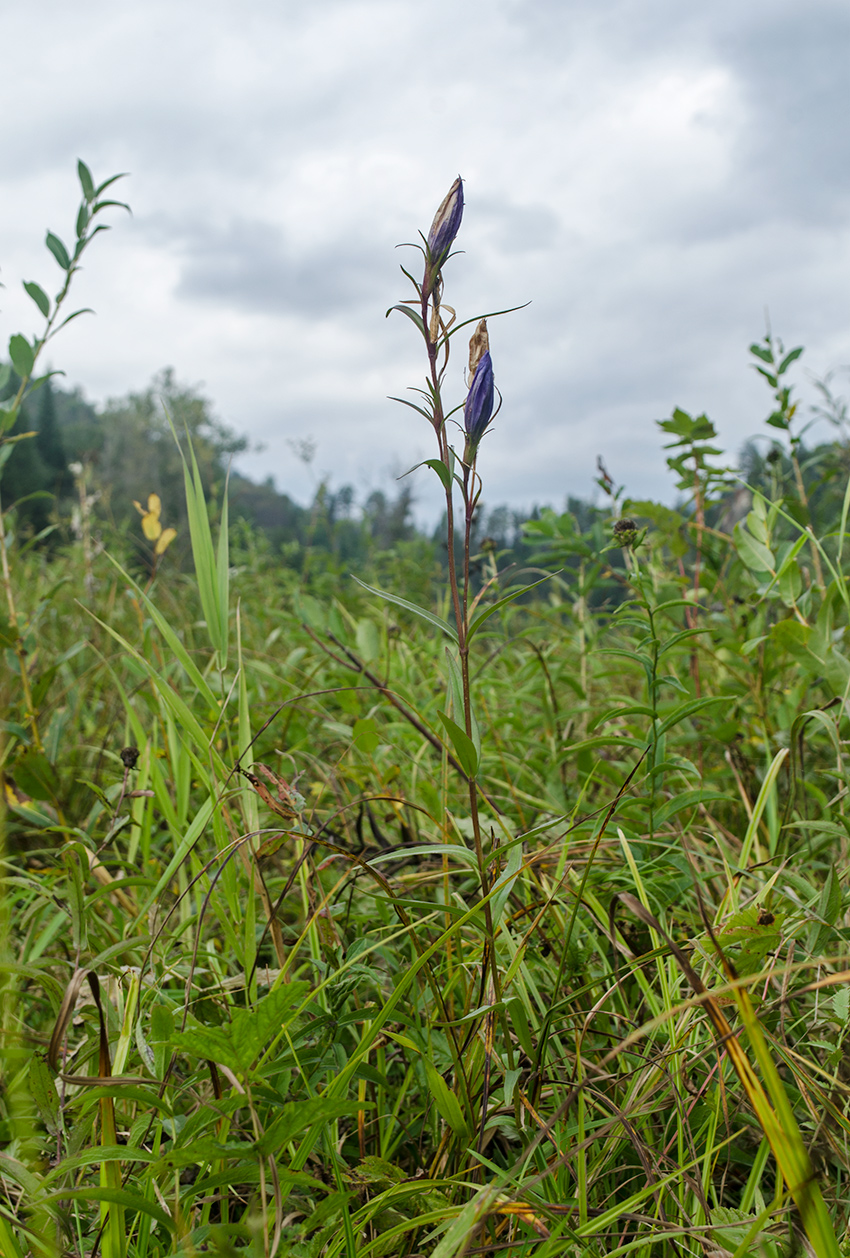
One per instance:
(478,346)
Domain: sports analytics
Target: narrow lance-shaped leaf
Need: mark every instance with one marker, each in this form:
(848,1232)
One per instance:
(463,745)
(39,296)
(58,250)
(86,181)
(436,621)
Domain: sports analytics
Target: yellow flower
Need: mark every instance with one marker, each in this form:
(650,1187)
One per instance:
(151,526)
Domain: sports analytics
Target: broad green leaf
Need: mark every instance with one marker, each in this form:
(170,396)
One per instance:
(21,354)
(754,554)
(368,640)
(237,1044)
(365,735)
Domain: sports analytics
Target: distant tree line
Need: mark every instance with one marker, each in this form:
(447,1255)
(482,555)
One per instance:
(125,450)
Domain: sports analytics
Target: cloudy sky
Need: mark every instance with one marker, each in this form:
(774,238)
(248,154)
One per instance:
(651,176)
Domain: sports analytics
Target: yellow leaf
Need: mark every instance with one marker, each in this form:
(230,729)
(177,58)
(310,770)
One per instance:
(154,505)
(151,527)
(165,540)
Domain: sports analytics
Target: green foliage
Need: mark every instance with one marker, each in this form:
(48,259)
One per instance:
(413,932)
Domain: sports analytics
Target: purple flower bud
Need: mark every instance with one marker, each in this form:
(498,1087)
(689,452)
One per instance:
(441,237)
(478,408)
(446,223)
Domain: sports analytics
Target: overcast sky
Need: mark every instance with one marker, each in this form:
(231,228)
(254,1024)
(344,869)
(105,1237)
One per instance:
(651,176)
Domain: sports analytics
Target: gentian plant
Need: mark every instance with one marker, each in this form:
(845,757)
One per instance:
(437,324)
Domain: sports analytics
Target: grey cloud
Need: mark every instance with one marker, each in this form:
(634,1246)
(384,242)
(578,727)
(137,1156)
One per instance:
(517,229)
(251,265)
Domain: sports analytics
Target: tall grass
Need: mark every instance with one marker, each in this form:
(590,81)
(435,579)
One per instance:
(341,922)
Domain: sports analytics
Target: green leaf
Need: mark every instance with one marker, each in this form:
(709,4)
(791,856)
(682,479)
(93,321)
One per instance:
(211,566)
(436,621)
(753,554)
(456,695)
(86,181)
(502,602)
(420,410)
(441,469)
(39,296)
(689,709)
(43,1091)
(765,355)
(789,359)
(239,1043)
(411,314)
(463,745)
(297,1116)
(8,633)
(8,416)
(365,735)
(192,671)
(829,904)
(462,854)
(107,183)
(58,250)
(687,799)
(368,640)
(116,1196)
(21,354)
(35,776)
(632,709)
(75,315)
(445,1100)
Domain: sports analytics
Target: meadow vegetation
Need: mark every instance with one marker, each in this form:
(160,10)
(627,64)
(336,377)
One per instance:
(369,896)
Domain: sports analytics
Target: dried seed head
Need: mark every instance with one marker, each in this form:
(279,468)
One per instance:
(129,757)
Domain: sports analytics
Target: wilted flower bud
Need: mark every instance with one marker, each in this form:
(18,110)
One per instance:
(478,346)
(478,408)
(441,237)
